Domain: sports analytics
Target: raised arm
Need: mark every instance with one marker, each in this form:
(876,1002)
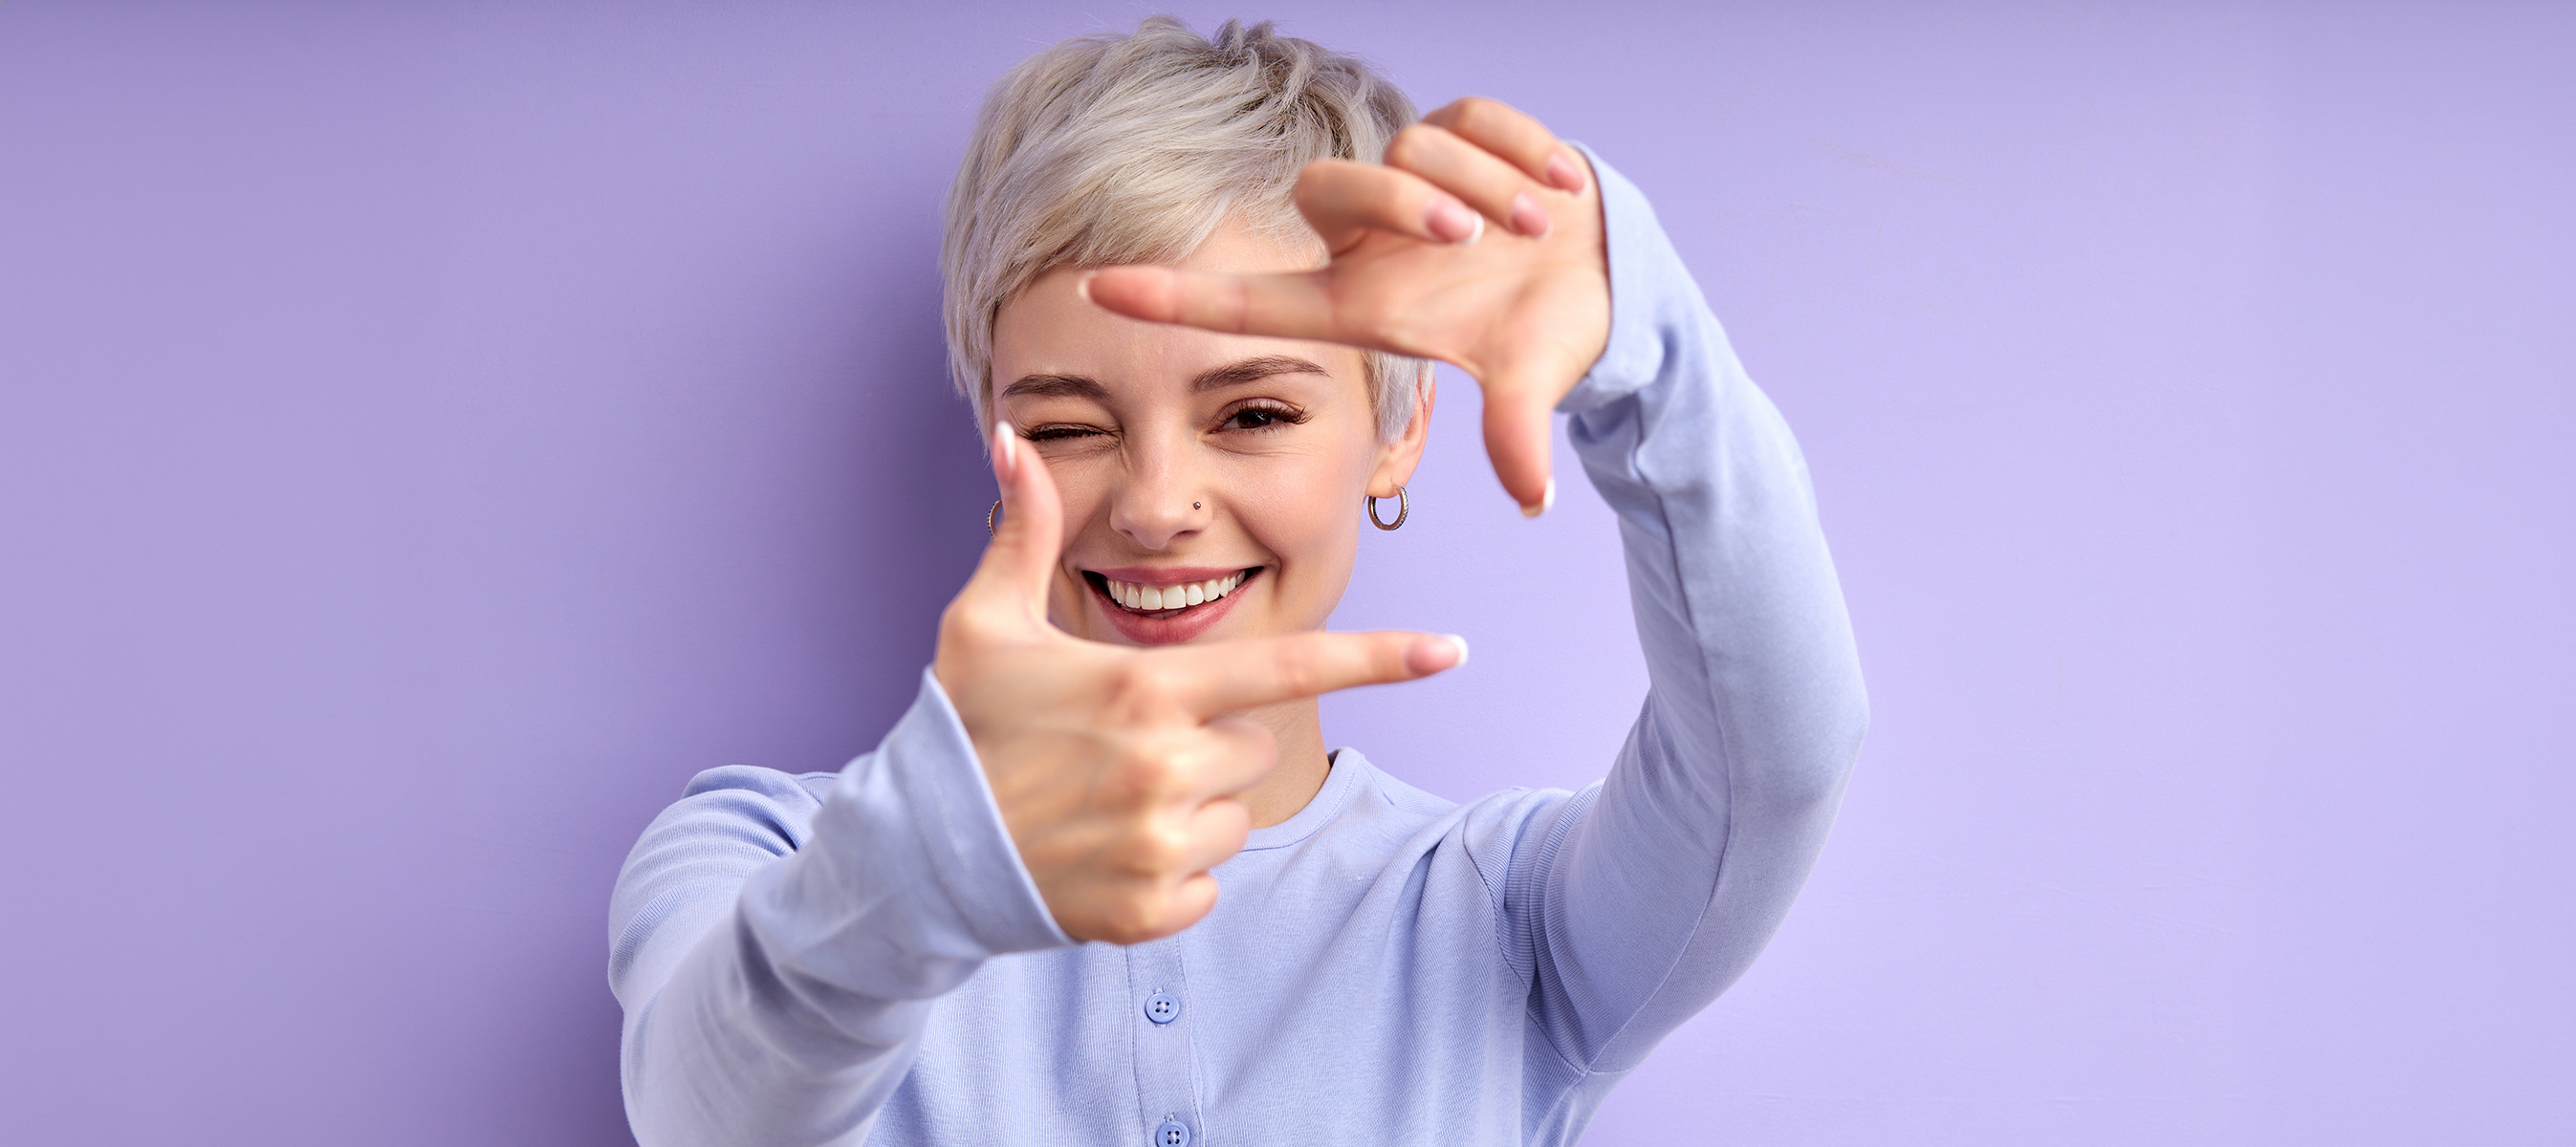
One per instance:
(777,974)
(776,960)
(1638,901)
(1634,903)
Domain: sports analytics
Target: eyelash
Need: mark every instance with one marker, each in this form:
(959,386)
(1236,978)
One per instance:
(1278,414)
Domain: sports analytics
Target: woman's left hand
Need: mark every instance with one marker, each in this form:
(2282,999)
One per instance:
(1478,242)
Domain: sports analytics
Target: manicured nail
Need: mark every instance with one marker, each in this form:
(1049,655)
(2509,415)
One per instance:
(1453,222)
(1528,219)
(1006,449)
(1563,173)
(1546,501)
(1436,654)
(1082,286)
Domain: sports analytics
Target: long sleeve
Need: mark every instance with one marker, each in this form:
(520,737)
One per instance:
(1637,901)
(776,959)
(823,959)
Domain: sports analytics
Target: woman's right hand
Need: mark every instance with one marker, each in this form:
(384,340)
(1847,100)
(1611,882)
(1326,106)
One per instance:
(1117,769)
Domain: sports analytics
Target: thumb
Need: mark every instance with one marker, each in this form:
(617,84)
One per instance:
(1519,428)
(1019,563)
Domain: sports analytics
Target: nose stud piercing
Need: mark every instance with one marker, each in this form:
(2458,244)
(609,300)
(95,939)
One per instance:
(993,517)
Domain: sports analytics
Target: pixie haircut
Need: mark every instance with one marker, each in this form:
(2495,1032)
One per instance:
(1133,149)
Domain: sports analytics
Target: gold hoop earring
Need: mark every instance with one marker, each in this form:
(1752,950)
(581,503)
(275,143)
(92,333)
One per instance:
(1403,510)
(991,516)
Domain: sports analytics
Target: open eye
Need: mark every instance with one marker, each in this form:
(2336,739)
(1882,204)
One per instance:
(1261,416)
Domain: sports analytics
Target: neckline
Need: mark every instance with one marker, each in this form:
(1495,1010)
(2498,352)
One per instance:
(1344,778)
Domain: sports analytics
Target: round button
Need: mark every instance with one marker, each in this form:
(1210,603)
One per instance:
(1173,1133)
(1162,1007)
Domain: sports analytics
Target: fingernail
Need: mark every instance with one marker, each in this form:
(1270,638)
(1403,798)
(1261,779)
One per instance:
(1436,655)
(1546,501)
(1006,448)
(1082,286)
(1528,219)
(1453,222)
(1563,173)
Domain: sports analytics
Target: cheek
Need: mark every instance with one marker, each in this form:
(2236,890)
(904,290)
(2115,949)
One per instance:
(1309,521)
(1082,484)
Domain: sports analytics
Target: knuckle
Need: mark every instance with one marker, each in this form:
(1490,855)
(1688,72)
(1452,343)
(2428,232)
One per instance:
(1238,308)
(1309,193)
(1144,678)
(1134,918)
(1389,199)
(1300,669)
(1480,113)
(1159,850)
(1139,688)
(1412,143)
(1146,776)
(1229,823)
(1316,182)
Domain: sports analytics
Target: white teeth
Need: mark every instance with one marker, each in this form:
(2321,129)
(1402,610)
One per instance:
(1146,598)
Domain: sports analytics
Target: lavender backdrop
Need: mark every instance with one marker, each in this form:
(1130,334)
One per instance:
(430,433)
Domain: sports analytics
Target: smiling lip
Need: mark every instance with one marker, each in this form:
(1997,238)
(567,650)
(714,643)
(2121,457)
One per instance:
(1164,626)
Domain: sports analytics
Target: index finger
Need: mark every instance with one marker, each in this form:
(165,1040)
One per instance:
(1290,305)
(1511,133)
(1232,676)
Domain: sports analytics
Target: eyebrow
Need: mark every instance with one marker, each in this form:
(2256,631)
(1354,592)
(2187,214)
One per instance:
(1214,378)
(1251,370)
(1057,386)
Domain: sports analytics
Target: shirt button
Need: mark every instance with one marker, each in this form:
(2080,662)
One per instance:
(1173,1133)
(1163,1008)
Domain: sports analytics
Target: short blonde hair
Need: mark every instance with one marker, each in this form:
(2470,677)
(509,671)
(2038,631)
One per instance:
(1132,149)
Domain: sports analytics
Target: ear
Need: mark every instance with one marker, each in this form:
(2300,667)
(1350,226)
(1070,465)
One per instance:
(1397,459)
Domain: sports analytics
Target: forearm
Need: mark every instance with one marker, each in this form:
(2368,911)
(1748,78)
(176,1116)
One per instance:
(1747,643)
(737,1049)
(794,1016)
(1715,811)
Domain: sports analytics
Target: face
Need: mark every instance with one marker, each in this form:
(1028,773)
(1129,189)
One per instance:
(1212,483)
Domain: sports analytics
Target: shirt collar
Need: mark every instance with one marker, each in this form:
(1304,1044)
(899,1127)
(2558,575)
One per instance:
(1349,774)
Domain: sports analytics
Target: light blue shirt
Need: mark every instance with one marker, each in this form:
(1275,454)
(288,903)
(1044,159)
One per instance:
(860,957)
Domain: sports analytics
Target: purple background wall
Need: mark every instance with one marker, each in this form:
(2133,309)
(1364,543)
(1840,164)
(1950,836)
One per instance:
(428,434)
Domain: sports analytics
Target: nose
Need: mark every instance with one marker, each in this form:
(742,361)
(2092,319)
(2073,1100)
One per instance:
(1159,500)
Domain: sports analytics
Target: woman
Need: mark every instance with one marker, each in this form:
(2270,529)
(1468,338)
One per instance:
(1192,308)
